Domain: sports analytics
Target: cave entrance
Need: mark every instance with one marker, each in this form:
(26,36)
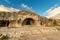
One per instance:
(4,23)
(28,21)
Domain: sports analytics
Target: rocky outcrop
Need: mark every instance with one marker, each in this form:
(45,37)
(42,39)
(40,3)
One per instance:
(22,18)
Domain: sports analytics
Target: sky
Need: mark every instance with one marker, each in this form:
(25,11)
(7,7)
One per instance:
(41,7)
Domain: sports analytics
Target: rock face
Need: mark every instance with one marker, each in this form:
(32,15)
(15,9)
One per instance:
(22,18)
(31,26)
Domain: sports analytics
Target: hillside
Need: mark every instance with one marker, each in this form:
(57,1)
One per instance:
(19,15)
(45,30)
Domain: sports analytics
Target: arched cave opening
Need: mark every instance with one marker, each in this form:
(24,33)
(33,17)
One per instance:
(28,21)
(4,23)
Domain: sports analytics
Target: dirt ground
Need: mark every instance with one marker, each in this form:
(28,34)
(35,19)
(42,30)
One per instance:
(31,33)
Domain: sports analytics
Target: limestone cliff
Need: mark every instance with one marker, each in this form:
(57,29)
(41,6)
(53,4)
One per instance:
(22,18)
